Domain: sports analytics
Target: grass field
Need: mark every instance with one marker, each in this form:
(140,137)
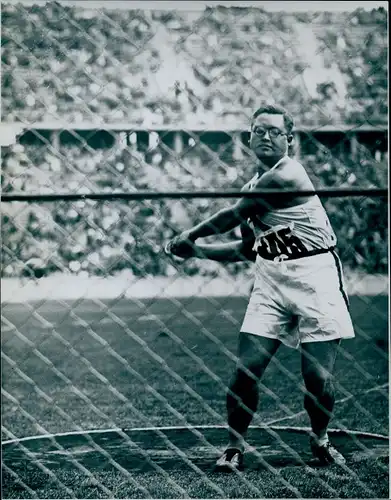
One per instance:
(130,364)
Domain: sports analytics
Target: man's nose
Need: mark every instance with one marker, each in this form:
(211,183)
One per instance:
(266,136)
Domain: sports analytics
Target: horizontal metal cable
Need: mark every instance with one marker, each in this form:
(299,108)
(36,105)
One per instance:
(150,195)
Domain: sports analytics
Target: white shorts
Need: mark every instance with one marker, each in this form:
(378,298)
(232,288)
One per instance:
(297,301)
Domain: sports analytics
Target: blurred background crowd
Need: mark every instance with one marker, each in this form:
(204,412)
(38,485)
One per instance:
(70,65)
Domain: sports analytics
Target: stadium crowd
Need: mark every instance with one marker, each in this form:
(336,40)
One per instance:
(74,64)
(104,237)
(77,64)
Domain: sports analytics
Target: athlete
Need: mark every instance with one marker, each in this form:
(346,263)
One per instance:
(298,297)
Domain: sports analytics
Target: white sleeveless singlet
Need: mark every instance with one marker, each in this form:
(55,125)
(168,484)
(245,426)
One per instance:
(308,222)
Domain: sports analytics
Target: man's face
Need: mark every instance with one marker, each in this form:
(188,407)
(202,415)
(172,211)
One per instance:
(269,137)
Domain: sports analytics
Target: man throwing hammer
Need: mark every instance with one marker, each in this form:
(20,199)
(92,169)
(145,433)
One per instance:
(298,297)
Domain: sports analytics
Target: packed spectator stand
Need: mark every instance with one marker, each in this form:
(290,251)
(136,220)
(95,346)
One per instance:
(70,65)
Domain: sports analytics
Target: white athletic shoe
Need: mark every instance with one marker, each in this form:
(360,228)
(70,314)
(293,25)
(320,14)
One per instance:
(326,453)
(230,460)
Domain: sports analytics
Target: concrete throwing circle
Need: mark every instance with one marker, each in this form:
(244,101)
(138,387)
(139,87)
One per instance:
(180,447)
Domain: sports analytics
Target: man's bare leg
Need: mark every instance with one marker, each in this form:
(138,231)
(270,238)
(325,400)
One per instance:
(318,361)
(255,353)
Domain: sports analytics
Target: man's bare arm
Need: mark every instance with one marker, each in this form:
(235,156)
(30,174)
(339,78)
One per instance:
(221,252)
(234,251)
(231,217)
(223,221)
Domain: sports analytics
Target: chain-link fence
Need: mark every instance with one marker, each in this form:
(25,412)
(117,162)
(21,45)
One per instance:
(117,357)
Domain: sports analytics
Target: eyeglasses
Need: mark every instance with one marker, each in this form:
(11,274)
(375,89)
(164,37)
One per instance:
(273,132)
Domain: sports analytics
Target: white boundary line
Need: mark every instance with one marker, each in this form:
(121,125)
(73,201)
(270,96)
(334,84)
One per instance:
(181,428)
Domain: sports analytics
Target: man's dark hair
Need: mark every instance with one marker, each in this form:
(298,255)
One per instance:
(272,109)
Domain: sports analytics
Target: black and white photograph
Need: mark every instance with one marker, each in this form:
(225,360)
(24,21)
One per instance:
(194,247)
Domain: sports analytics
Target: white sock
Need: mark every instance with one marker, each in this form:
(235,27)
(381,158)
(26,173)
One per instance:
(239,445)
(322,439)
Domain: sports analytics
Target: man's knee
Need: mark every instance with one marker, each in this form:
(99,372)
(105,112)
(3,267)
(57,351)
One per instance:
(255,354)
(246,376)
